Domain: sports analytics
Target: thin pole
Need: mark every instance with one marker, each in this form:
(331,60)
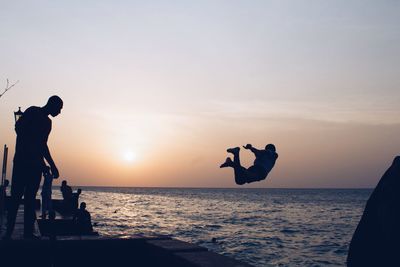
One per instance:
(4,172)
(2,191)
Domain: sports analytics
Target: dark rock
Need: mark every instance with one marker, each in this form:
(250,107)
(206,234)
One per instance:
(377,237)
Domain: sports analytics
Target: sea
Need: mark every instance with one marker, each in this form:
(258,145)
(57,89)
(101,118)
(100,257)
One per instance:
(263,227)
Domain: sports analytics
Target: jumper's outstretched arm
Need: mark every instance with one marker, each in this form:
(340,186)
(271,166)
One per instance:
(252,149)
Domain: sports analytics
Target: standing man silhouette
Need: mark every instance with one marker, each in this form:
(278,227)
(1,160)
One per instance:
(33,130)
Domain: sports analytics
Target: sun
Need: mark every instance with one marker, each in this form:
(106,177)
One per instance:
(129,156)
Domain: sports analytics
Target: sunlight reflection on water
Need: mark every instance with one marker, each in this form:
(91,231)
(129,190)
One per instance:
(278,227)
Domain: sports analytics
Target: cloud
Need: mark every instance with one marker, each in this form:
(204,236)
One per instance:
(339,112)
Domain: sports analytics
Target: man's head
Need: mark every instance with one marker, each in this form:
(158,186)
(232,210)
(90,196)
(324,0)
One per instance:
(6,182)
(83,206)
(54,105)
(64,183)
(79,191)
(270,147)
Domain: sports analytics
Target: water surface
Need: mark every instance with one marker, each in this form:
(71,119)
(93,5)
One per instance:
(264,227)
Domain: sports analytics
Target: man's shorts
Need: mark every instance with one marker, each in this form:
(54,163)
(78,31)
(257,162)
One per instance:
(259,171)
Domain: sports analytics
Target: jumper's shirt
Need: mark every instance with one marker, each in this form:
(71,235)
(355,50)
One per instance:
(266,159)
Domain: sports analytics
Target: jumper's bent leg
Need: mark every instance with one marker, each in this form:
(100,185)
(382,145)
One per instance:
(240,174)
(240,171)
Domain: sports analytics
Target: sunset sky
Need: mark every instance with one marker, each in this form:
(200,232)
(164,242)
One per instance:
(155,91)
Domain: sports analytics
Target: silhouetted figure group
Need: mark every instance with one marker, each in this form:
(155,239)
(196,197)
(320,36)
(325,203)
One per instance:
(33,129)
(80,222)
(376,241)
(32,159)
(263,164)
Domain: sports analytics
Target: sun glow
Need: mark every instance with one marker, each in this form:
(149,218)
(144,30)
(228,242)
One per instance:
(129,156)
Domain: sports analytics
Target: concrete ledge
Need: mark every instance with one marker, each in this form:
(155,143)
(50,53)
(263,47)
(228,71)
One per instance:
(209,259)
(103,251)
(111,239)
(83,251)
(174,245)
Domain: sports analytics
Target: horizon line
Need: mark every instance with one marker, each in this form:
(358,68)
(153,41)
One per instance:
(188,187)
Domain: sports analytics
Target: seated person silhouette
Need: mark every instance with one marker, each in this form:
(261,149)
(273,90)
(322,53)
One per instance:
(83,220)
(66,191)
(263,164)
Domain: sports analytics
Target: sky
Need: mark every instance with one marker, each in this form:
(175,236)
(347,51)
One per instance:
(156,91)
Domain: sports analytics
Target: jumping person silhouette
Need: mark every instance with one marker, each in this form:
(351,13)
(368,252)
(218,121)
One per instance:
(263,164)
(33,130)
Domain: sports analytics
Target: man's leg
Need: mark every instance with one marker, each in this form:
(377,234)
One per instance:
(235,151)
(240,175)
(17,190)
(32,187)
(49,202)
(45,204)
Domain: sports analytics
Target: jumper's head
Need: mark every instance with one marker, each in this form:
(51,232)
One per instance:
(270,147)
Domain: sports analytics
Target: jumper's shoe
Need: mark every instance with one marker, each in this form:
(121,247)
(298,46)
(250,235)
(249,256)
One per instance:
(233,150)
(228,163)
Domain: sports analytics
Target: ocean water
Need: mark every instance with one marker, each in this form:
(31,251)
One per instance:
(264,227)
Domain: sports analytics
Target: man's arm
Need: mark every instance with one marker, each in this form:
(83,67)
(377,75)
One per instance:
(46,152)
(253,149)
(49,159)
